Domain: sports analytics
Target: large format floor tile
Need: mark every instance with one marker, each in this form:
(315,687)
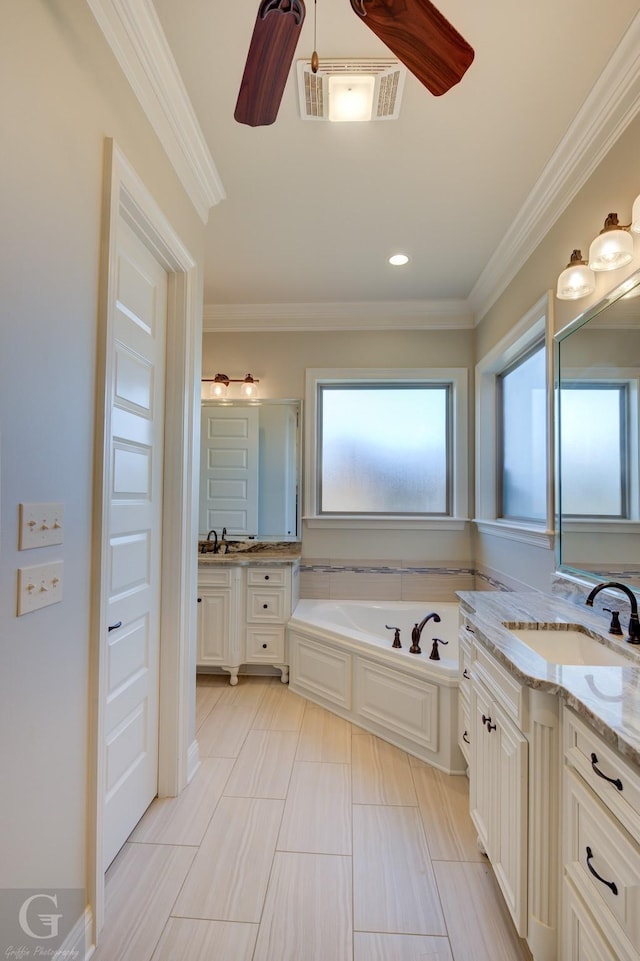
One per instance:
(303,838)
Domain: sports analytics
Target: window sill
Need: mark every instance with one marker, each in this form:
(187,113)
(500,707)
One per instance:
(535,535)
(363,523)
(604,525)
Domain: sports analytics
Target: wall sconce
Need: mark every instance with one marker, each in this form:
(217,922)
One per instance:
(613,247)
(576,280)
(220,384)
(610,250)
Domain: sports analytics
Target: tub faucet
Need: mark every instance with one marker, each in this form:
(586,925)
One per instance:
(634,624)
(417,631)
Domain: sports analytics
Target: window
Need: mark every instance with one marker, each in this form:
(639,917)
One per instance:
(522,448)
(594,473)
(386,447)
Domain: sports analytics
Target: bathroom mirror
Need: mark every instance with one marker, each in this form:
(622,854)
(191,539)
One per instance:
(597,438)
(250,469)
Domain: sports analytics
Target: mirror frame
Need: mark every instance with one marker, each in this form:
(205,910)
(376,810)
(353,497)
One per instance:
(577,323)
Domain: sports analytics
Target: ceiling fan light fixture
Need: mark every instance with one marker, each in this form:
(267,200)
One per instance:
(351,98)
(613,247)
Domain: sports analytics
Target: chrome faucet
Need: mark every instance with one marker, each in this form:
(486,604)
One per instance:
(417,631)
(634,624)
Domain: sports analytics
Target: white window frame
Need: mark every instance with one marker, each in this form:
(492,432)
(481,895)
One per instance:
(531,328)
(456,378)
(628,377)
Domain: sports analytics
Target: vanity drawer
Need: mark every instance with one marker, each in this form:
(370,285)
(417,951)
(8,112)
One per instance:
(265,644)
(266,605)
(267,576)
(614,781)
(596,845)
(583,940)
(221,577)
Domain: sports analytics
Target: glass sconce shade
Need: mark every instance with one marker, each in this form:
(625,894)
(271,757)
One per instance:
(576,280)
(612,248)
(249,388)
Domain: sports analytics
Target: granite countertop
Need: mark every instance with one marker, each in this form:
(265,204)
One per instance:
(607,697)
(255,553)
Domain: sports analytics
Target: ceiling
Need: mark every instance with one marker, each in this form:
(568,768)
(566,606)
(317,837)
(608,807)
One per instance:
(314,209)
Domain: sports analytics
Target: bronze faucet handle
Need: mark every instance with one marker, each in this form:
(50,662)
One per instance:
(614,627)
(396,636)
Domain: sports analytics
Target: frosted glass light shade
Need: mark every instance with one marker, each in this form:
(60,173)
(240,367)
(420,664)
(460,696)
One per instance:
(249,388)
(612,248)
(351,97)
(576,280)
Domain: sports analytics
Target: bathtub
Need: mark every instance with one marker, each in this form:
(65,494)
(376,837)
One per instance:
(341,656)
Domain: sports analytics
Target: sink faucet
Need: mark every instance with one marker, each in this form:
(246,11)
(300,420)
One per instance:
(215,542)
(634,624)
(417,631)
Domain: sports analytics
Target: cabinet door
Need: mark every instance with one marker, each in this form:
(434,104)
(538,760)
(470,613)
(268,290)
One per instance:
(482,783)
(214,618)
(509,846)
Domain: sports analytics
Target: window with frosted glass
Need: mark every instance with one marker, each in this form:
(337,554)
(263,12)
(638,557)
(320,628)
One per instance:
(523,439)
(593,461)
(384,450)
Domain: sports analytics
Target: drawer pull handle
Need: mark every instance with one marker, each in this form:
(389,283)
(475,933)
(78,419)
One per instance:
(265,606)
(609,884)
(266,577)
(265,646)
(615,781)
(470,629)
(465,737)
(466,675)
(114,627)
(487,721)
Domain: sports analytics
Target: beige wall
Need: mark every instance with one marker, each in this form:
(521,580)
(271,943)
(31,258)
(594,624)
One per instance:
(63,94)
(613,187)
(280,360)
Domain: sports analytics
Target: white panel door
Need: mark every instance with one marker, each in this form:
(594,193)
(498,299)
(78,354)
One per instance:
(134,537)
(229,470)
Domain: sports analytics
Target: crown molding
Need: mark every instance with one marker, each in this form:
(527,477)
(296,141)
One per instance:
(362,315)
(612,104)
(135,35)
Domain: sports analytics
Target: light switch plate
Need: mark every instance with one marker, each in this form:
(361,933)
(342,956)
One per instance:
(41,525)
(39,586)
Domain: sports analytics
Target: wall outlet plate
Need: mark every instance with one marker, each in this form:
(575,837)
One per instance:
(39,586)
(41,525)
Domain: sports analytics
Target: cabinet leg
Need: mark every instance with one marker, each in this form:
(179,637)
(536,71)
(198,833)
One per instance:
(285,672)
(233,672)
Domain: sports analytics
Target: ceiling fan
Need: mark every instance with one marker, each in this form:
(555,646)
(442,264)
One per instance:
(414,30)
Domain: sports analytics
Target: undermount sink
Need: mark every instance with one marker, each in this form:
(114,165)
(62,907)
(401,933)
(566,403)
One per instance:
(568,645)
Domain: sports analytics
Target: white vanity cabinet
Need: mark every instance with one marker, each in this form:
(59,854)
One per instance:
(601,851)
(242,613)
(514,775)
(499,779)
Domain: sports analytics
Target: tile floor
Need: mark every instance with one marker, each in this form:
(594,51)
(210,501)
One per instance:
(303,838)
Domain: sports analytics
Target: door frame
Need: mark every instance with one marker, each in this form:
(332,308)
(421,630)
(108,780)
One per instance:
(126,197)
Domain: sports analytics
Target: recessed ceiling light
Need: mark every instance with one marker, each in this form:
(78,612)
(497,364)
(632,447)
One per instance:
(398,260)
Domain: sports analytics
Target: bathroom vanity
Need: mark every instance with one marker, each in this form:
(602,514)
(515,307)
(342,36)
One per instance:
(554,763)
(244,602)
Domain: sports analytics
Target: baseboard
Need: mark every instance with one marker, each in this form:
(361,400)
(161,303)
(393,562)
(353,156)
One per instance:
(78,945)
(193,759)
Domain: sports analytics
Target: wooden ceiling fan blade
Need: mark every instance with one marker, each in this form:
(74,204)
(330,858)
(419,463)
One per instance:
(273,44)
(421,37)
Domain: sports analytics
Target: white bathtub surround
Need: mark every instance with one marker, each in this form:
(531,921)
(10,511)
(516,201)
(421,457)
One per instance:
(341,657)
(388,579)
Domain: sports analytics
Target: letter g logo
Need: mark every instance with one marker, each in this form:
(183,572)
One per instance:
(48,921)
